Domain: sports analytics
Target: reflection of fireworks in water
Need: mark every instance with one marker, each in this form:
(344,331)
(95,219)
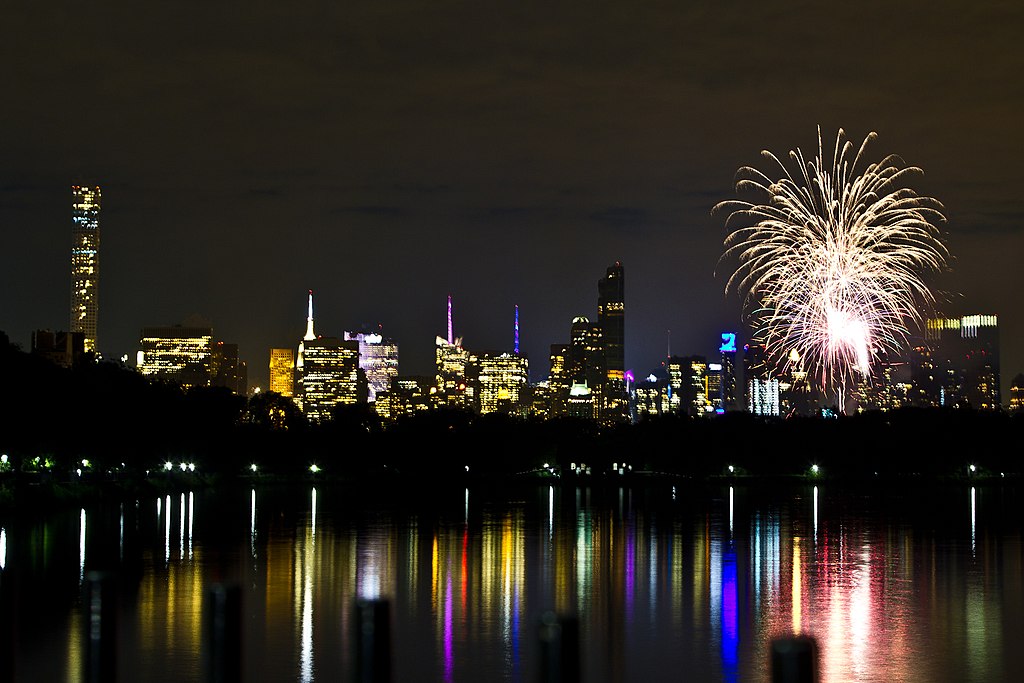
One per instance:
(831,261)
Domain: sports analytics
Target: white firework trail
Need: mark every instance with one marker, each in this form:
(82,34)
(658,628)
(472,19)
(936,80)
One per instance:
(832,260)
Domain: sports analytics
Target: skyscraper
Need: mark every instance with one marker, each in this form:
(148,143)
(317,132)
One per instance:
(499,382)
(611,317)
(727,387)
(378,357)
(451,359)
(85,262)
(282,371)
(585,367)
(178,354)
(327,373)
(966,356)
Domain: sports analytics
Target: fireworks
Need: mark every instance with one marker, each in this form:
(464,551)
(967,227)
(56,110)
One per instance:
(832,260)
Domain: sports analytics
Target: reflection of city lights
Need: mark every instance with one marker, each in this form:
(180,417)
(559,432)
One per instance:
(797,589)
(974,510)
(81,547)
(3,548)
(815,514)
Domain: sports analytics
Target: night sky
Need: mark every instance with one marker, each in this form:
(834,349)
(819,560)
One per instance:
(386,154)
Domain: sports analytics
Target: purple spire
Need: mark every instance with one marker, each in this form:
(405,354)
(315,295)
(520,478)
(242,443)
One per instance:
(451,336)
(517,330)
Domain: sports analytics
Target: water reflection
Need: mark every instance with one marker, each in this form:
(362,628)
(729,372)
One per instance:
(660,581)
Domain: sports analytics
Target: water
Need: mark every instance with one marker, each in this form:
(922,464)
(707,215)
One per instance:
(668,583)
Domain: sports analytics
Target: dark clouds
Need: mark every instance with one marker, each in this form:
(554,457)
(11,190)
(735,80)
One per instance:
(386,154)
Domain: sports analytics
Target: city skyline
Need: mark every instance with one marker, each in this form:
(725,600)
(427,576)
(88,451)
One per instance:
(387,158)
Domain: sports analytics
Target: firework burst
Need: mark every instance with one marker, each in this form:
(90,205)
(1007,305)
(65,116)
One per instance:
(832,260)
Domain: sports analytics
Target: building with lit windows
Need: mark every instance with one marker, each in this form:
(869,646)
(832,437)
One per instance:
(451,389)
(328,377)
(85,263)
(688,380)
(727,374)
(652,396)
(581,402)
(714,387)
(611,319)
(282,372)
(1017,395)
(408,395)
(754,367)
(178,354)
(539,401)
(378,358)
(764,396)
(499,381)
(889,387)
(327,373)
(585,365)
(558,381)
(965,355)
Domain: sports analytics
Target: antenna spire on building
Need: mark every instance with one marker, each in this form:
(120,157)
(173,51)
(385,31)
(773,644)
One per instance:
(451,336)
(517,331)
(310,335)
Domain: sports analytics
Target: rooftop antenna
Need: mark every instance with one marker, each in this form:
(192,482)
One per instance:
(451,337)
(310,335)
(517,330)
(669,342)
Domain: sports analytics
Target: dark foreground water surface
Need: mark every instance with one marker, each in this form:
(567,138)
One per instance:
(669,584)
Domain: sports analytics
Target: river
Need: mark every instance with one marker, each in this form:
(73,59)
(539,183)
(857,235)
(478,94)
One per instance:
(666,583)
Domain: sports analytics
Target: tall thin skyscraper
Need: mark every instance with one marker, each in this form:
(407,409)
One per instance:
(611,316)
(85,262)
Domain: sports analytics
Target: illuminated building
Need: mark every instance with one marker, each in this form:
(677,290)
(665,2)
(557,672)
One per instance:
(327,373)
(727,385)
(585,365)
(540,401)
(652,396)
(611,315)
(764,396)
(178,354)
(282,372)
(965,354)
(451,359)
(581,401)
(85,263)
(688,379)
(408,396)
(60,348)
(559,380)
(889,387)
(378,358)
(754,367)
(714,386)
(329,377)
(499,382)
(1017,395)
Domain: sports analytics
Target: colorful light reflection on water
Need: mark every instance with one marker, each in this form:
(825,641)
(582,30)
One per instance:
(662,582)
